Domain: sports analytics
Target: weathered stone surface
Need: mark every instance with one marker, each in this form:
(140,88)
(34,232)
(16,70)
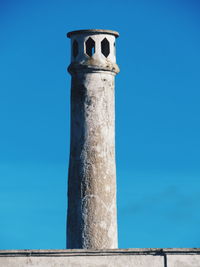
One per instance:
(80,259)
(101,258)
(92,220)
(183,260)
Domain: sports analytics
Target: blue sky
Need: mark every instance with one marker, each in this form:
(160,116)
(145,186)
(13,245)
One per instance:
(157,119)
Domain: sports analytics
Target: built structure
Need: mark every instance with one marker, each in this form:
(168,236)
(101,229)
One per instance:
(101,258)
(92,220)
(92,223)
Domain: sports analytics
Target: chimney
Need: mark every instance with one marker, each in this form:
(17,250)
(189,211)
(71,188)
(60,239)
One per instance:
(92,216)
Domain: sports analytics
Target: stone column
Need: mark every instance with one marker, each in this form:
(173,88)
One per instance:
(92,219)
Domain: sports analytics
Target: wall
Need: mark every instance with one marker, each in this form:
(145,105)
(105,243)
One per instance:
(101,258)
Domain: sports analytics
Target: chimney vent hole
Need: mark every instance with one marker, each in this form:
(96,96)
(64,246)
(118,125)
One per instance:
(90,47)
(105,47)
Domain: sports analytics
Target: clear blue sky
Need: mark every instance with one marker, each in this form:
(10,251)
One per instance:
(157,119)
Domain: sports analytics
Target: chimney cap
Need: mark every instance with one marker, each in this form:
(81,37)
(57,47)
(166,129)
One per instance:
(93,31)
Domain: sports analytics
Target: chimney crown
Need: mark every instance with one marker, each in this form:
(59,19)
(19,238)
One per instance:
(93,51)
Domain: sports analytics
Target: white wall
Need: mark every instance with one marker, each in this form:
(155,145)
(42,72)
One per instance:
(103,258)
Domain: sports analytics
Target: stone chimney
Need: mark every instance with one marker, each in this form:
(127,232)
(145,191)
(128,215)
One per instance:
(92,216)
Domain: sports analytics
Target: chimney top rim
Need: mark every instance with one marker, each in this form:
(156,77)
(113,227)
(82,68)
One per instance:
(93,31)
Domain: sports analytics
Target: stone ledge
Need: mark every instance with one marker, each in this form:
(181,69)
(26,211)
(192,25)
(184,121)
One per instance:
(108,252)
(145,257)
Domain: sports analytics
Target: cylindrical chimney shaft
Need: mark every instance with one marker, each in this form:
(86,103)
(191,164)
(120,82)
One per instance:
(92,217)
